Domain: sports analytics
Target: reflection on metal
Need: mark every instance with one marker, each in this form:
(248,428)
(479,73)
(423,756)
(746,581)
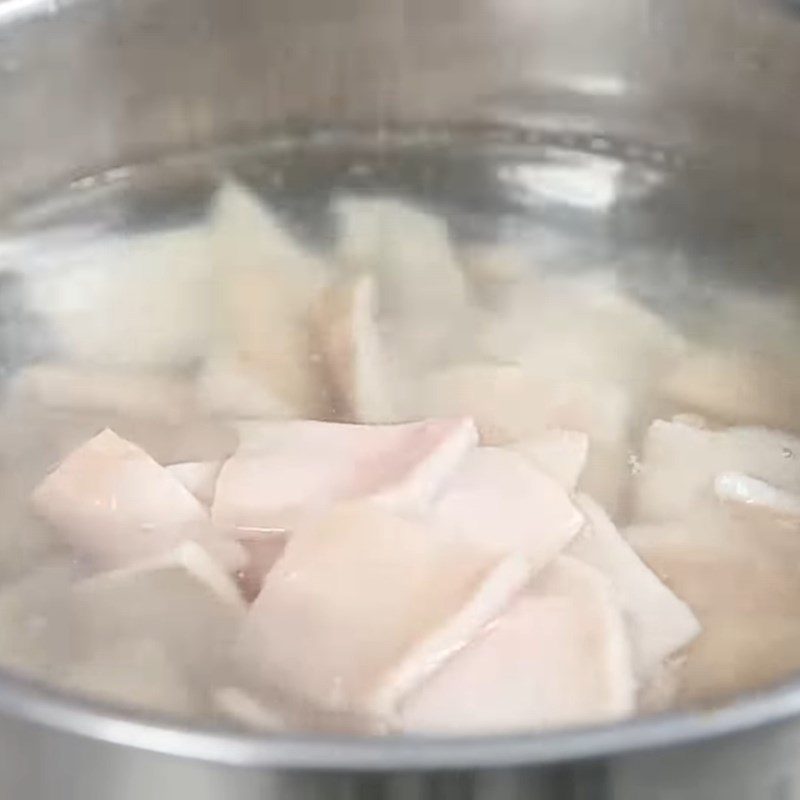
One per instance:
(591,185)
(20,10)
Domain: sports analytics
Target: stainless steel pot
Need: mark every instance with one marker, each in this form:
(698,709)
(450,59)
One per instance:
(87,85)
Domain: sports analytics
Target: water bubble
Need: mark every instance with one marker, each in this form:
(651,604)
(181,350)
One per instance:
(635,464)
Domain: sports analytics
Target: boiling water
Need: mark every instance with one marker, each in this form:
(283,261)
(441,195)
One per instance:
(74,288)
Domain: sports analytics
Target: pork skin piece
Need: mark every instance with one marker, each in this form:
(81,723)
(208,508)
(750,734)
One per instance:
(137,674)
(114,504)
(265,288)
(659,623)
(421,289)
(284,471)
(497,500)
(680,462)
(734,388)
(199,477)
(560,453)
(511,404)
(363,605)
(355,357)
(558,656)
(184,601)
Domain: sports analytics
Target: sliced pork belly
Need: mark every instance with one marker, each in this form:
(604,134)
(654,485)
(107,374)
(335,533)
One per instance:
(199,477)
(408,250)
(265,286)
(283,471)
(586,354)
(561,454)
(716,562)
(735,387)
(580,328)
(511,403)
(500,398)
(660,692)
(114,504)
(184,601)
(494,272)
(150,394)
(680,463)
(558,656)
(187,559)
(739,654)
(134,673)
(354,354)
(730,550)
(739,573)
(129,301)
(498,500)
(263,552)
(363,605)
(659,623)
(421,289)
(33,624)
(229,387)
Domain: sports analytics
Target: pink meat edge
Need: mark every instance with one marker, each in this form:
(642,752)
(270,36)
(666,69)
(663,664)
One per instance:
(506,580)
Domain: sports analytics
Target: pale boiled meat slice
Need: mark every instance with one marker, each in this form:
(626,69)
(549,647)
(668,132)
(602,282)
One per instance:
(33,624)
(561,454)
(134,673)
(190,557)
(659,623)
(497,500)
(511,403)
(114,504)
(283,471)
(408,250)
(187,603)
(133,392)
(738,654)
(421,288)
(680,463)
(608,473)
(557,656)
(199,477)
(228,387)
(501,584)
(717,562)
(735,387)
(265,287)
(500,397)
(130,301)
(586,355)
(26,540)
(354,354)
(229,553)
(494,271)
(738,571)
(263,552)
(660,692)
(384,602)
(582,328)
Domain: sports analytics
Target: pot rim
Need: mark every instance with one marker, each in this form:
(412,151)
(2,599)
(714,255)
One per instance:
(55,710)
